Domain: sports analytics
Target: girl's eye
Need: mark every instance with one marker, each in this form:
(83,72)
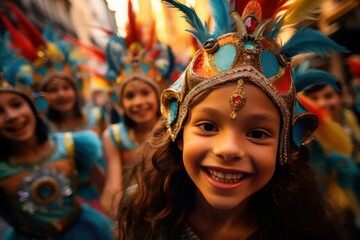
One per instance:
(129,96)
(208,127)
(66,88)
(51,90)
(145,93)
(258,134)
(16,104)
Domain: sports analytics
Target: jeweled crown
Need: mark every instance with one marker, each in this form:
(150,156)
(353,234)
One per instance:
(243,46)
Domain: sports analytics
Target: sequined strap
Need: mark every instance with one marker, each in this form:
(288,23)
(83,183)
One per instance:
(97,113)
(69,145)
(115,135)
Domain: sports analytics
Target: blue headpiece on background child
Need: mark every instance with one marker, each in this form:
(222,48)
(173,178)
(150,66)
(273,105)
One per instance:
(243,45)
(329,133)
(16,75)
(47,52)
(138,55)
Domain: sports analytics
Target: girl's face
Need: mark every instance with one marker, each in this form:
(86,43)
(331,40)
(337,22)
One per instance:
(62,95)
(140,101)
(17,120)
(330,100)
(231,159)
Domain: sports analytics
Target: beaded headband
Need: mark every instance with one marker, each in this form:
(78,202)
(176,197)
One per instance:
(243,47)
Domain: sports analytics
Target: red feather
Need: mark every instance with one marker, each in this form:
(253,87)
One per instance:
(268,7)
(104,30)
(132,34)
(19,41)
(354,65)
(240,6)
(89,49)
(31,32)
(152,36)
(154,54)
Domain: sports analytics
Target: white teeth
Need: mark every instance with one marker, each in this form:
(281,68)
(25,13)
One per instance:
(225,177)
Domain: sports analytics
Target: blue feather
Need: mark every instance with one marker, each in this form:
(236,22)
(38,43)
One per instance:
(200,32)
(49,34)
(222,18)
(304,79)
(115,51)
(308,40)
(7,55)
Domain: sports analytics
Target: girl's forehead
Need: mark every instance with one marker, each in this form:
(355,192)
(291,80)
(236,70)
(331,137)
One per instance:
(58,81)
(252,100)
(137,84)
(9,96)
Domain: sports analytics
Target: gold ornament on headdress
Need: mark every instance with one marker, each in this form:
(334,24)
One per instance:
(250,53)
(237,99)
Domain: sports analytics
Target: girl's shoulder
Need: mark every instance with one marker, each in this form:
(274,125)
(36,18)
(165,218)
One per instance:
(119,134)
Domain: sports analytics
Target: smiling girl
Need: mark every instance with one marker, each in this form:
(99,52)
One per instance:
(140,69)
(39,170)
(228,161)
(65,111)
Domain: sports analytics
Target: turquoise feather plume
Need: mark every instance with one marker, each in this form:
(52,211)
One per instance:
(222,19)
(115,52)
(200,31)
(307,40)
(7,55)
(306,78)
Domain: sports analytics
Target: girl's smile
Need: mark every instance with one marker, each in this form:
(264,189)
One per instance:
(229,159)
(224,178)
(17,120)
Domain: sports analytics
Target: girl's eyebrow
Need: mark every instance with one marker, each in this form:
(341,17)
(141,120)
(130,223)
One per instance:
(261,117)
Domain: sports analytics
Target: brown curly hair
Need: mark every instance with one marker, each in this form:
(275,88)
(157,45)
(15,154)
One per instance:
(290,206)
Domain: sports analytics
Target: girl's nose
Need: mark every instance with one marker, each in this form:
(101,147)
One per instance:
(230,146)
(138,99)
(11,114)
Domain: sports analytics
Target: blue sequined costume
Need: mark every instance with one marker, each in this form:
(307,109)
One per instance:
(39,201)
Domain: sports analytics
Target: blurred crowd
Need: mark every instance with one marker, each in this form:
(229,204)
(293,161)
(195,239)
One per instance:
(74,118)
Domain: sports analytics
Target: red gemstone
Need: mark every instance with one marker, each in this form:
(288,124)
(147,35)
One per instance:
(251,23)
(236,99)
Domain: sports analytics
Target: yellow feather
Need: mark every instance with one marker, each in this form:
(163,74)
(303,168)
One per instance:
(332,136)
(300,10)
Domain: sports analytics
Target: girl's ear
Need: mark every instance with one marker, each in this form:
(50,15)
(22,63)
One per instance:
(180,143)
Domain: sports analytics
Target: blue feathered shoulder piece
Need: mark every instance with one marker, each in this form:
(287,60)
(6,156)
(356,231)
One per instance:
(87,146)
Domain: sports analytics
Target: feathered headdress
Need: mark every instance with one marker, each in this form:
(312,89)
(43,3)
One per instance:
(135,56)
(46,51)
(16,75)
(243,45)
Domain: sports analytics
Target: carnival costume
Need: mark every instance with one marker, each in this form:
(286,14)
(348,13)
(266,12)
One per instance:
(53,57)
(50,54)
(131,58)
(38,200)
(243,48)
